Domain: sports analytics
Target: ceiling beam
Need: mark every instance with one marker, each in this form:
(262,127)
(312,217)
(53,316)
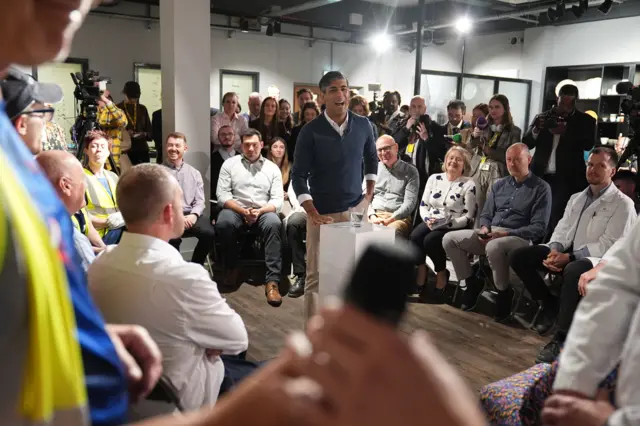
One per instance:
(528,20)
(301,8)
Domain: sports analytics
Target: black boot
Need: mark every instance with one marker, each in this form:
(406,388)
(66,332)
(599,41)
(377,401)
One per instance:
(472,293)
(547,317)
(503,305)
(297,289)
(550,352)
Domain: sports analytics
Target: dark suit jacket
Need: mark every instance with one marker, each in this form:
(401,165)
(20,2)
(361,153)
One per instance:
(216,165)
(581,135)
(156,133)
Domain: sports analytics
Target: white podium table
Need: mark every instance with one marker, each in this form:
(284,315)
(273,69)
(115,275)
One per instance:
(341,244)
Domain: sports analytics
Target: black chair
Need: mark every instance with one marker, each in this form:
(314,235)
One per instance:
(165,391)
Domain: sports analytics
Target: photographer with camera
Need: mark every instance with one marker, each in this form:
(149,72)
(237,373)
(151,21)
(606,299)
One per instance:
(560,136)
(138,123)
(412,136)
(112,120)
(389,116)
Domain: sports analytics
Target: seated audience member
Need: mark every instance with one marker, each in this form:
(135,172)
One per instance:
(515,214)
(226,137)
(278,155)
(603,334)
(284,116)
(250,192)
(594,219)
(102,203)
(65,173)
(113,121)
(269,124)
(294,245)
(304,96)
(625,181)
(448,203)
(359,105)
(193,203)
(489,147)
(253,113)
(228,117)
(144,280)
(308,111)
(559,155)
(420,145)
(395,196)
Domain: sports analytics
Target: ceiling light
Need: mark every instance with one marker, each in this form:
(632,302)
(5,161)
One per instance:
(381,42)
(244,25)
(464,25)
(269,30)
(606,6)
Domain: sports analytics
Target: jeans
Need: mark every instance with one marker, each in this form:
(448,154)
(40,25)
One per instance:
(113,236)
(270,228)
(203,230)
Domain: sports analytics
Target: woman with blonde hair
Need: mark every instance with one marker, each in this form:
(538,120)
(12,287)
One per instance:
(278,154)
(448,203)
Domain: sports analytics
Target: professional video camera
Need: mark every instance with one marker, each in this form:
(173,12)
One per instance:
(631,108)
(89,88)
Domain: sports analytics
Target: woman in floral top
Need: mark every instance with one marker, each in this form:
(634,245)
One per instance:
(448,202)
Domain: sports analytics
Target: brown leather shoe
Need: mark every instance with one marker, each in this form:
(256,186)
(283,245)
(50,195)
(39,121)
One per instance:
(232,277)
(273,294)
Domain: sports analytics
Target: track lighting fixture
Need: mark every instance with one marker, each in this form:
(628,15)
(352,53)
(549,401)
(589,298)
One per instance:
(277,27)
(606,6)
(270,30)
(244,25)
(579,10)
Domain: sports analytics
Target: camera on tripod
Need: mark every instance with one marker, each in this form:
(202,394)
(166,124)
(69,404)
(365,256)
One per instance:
(90,87)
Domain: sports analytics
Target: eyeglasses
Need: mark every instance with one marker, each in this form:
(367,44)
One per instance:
(45,113)
(384,149)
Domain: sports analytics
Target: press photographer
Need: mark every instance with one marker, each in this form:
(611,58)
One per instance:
(412,135)
(139,123)
(560,136)
(389,116)
(112,120)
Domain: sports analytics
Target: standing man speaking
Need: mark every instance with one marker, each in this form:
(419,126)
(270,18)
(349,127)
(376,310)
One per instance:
(327,171)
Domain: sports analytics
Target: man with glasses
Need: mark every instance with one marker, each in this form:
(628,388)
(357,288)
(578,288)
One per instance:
(25,101)
(396,192)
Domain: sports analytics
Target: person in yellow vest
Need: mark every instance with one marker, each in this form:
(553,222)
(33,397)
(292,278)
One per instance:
(65,173)
(101,189)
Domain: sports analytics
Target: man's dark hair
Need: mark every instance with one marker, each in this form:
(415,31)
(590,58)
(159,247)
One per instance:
(610,152)
(329,78)
(304,90)
(627,175)
(457,104)
(251,132)
(394,93)
(569,90)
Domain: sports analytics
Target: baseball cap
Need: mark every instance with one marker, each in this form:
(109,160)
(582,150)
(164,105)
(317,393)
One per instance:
(20,90)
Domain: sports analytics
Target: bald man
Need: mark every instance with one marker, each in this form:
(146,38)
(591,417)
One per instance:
(395,195)
(515,215)
(65,173)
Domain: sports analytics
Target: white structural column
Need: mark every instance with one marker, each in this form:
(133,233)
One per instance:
(185,52)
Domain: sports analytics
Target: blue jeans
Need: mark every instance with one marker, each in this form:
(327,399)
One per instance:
(113,236)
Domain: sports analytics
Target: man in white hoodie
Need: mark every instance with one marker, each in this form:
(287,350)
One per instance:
(145,281)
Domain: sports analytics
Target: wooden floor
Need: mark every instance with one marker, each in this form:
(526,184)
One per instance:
(482,350)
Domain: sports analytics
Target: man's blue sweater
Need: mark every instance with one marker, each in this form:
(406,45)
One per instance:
(332,165)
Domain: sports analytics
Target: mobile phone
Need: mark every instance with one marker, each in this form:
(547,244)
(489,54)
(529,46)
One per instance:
(484,236)
(381,281)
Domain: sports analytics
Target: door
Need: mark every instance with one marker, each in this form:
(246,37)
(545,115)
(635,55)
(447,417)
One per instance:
(243,83)
(59,73)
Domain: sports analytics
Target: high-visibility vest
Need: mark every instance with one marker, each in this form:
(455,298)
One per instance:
(99,203)
(82,227)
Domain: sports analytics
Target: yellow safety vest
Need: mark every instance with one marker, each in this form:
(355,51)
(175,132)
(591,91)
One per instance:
(84,228)
(99,203)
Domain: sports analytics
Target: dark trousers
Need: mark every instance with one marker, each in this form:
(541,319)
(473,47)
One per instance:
(113,236)
(138,155)
(203,230)
(270,227)
(293,244)
(526,262)
(561,191)
(430,244)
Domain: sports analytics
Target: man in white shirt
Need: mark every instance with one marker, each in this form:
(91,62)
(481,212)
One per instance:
(250,192)
(593,221)
(144,280)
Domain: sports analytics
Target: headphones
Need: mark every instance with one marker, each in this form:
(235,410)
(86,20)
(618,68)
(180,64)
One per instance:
(497,128)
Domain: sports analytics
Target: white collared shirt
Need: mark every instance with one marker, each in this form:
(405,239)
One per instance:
(551,167)
(338,128)
(227,154)
(145,281)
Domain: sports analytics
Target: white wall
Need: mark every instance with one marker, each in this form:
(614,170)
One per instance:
(112,46)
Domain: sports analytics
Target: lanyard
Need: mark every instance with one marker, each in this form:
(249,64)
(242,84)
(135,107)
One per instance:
(133,120)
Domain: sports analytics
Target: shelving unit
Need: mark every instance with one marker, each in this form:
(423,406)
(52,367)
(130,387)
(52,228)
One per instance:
(606,104)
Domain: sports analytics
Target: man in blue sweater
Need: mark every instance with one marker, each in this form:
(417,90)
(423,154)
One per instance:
(327,170)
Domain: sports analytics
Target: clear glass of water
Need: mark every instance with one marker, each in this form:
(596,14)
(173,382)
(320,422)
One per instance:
(356,215)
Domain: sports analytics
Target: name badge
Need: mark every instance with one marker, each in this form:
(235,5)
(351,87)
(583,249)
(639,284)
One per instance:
(410,148)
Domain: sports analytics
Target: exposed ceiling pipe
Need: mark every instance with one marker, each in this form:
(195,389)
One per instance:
(301,8)
(509,15)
